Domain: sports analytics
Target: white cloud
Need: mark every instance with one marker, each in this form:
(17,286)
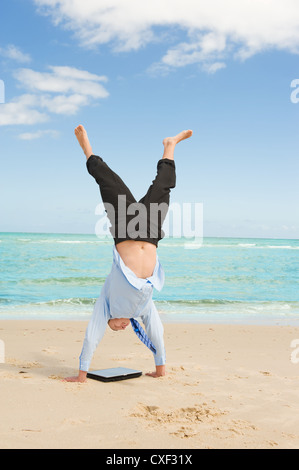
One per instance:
(63,104)
(38,134)
(212,68)
(63,80)
(63,90)
(215,30)
(21,110)
(205,49)
(14,53)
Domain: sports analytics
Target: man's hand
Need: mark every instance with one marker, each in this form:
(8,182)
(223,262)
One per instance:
(160,372)
(81,377)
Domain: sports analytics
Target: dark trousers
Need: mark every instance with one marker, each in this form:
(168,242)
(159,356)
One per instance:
(132,220)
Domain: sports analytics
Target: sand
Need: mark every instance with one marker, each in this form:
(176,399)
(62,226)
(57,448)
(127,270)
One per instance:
(227,386)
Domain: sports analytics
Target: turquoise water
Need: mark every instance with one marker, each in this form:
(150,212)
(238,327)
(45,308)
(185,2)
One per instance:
(59,276)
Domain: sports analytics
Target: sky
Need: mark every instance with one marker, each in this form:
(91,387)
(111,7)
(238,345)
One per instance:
(134,73)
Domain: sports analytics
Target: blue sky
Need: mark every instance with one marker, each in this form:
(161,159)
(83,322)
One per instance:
(133,76)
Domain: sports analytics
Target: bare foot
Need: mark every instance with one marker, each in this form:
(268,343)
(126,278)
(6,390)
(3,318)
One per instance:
(83,140)
(154,374)
(76,378)
(81,377)
(159,372)
(177,138)
(170,143)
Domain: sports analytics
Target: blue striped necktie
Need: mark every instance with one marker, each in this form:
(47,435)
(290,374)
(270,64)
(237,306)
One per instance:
(142,335)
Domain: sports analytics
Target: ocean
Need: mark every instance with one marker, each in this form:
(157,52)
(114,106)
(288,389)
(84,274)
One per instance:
(216,280)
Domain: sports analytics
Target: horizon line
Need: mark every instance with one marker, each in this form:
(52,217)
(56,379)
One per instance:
(165,238)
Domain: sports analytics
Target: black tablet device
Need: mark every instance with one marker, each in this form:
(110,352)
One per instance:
(116,373)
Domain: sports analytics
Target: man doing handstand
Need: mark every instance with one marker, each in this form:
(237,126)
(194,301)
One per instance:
(127,292)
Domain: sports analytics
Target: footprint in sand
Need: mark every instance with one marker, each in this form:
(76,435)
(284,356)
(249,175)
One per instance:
(24,374)
(196,413)
(187,419)
(72,423)
(184,432)
(55,377)
(272,443)
(7,375)
(189,422)
(50,351)
(22,364)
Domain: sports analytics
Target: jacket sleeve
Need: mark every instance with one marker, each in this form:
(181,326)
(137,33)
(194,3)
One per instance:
(154,330)
(95,331)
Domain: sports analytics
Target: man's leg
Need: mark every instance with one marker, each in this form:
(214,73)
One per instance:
(165,180)
(110,184)
(159,191)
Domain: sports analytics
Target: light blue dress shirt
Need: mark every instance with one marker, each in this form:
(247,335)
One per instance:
(124,295)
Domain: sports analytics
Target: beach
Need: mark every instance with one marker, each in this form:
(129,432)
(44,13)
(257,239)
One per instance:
(227,386)
(175,126)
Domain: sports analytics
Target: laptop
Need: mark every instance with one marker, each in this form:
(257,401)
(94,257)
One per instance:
(113,374)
